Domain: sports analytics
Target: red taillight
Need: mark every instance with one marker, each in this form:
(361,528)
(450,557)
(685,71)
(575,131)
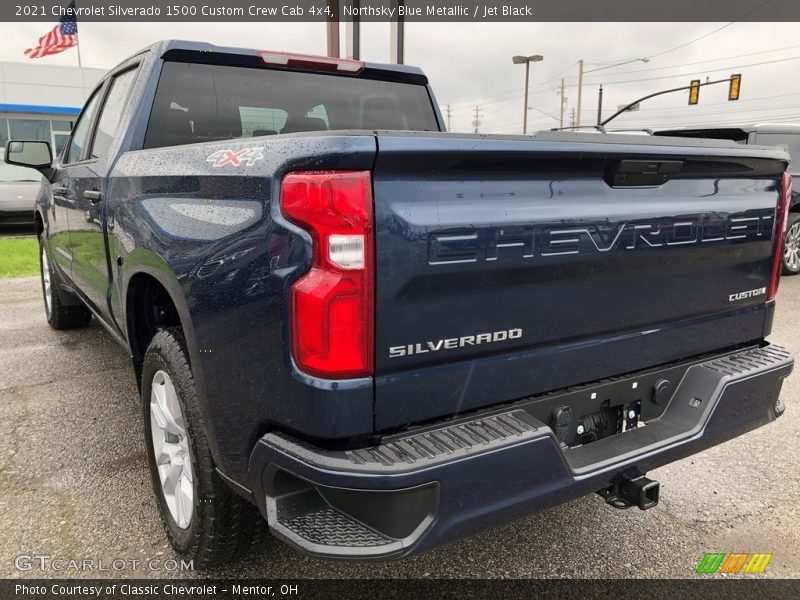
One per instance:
(332,315)
(780,235)
(309,62)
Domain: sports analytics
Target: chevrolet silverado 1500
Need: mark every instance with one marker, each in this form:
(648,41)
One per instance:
(374,336)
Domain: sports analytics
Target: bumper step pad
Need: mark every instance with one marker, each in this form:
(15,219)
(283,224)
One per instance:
(750,362)
(450,441)
(330,527)
(422,487)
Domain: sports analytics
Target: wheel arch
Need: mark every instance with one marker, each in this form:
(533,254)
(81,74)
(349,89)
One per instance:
(38,222)
(154,279)
(153,302)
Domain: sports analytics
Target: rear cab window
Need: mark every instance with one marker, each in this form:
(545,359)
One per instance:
(202,102)
(111,113)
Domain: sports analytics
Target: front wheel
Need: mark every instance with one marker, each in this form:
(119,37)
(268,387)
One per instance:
(205,521)
(791,249)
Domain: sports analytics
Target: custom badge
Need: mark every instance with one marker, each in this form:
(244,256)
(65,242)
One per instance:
(246,156)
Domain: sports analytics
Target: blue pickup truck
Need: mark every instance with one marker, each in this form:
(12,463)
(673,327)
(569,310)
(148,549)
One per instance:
(374,337)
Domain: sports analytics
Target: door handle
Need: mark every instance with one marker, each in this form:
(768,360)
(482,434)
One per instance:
(59,190)
(93,196)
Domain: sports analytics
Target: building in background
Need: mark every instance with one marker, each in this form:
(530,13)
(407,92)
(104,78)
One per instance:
(41,102)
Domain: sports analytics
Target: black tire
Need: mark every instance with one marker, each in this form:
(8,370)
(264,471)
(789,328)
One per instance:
(223,525)
(59,315)
(792,247)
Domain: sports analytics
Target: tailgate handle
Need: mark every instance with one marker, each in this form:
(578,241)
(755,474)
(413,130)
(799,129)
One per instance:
(642,173)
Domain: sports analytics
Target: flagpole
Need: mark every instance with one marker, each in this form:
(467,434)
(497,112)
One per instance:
(78,41)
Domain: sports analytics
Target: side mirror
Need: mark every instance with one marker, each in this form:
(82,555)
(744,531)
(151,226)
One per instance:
(28,153)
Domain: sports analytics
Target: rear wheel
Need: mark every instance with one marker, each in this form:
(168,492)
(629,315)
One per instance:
(205,521)
(59,315)
(791,250)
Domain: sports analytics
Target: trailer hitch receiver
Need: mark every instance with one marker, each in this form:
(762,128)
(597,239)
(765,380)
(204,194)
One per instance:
(641,492)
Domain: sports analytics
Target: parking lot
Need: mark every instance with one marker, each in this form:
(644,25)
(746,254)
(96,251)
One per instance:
(75,484)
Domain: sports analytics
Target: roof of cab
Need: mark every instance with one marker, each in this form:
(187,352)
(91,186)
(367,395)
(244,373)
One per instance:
(398,72)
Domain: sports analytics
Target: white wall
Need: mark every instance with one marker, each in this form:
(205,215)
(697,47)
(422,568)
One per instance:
(45,85)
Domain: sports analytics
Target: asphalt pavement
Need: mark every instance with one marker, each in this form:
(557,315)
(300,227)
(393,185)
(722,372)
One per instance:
(74,484)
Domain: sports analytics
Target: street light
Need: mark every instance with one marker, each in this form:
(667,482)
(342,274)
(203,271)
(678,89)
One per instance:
(627,62)
(526,60)
(580,80)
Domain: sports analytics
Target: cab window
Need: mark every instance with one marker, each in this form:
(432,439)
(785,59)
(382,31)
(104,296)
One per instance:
(81,133)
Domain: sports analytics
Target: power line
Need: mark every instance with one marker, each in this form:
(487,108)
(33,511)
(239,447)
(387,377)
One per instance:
(544,112)
(700,62)
(766,62)
(706,114)
(657,124)
(501,107)
(717,122)
(479,98)
(559,74)
(768,119)
(742,101)
(539,119)
(739,119)
(702,37)
(543,85)
(539,86)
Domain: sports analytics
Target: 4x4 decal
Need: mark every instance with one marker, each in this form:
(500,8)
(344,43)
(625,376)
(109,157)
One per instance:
(248,156)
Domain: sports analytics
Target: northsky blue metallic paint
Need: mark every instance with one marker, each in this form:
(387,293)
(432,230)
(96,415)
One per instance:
(230,284)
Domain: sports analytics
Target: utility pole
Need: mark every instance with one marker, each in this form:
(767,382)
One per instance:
(600,104)
(476,121)
(572,120)
(448,117)
(332,29)
(397,34)
(580,84)
(352,34)
(561,92)
(580,92)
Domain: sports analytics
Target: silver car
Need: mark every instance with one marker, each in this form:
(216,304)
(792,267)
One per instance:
(18,188)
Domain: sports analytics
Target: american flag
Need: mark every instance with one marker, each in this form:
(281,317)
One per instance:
(62,37)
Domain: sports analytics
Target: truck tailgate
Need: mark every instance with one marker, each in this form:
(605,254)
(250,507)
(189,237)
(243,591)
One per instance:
(507,267)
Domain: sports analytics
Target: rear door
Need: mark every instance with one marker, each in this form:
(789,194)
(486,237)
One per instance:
(510,267)
(90,263)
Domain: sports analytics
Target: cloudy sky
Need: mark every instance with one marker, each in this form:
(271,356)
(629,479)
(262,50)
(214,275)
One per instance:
(470,64)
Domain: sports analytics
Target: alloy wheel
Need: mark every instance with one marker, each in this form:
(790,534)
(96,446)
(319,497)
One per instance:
(171,449)
(791,252)
(48,300)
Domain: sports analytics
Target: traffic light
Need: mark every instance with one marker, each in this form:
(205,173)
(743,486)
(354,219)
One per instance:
(694,92)
(735,85)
